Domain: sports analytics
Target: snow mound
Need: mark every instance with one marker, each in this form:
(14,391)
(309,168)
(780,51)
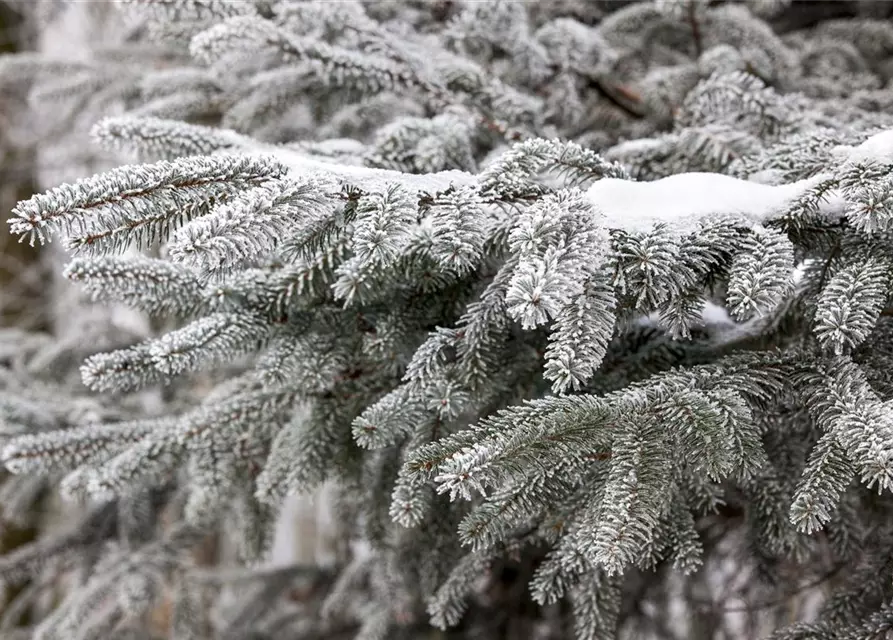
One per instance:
(684,200)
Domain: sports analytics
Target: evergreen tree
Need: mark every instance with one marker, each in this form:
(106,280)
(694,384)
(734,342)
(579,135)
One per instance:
(579,311)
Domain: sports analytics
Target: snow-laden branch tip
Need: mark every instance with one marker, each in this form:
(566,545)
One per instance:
(683,200)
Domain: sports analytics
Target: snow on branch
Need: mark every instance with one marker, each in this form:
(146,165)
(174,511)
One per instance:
(366,178)
(683,200)
(145,134)
(680,201)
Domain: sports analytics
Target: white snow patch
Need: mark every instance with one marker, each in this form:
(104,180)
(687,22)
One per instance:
(684,200)
(878,148)
(365,177)
(713,314)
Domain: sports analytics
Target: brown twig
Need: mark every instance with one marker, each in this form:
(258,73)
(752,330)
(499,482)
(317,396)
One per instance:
(619,95)
(695,29)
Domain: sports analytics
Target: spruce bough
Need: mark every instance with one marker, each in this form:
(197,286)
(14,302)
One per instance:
(580,328)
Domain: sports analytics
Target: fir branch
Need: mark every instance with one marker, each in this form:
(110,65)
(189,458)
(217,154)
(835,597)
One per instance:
(155,286)
(137,203)
(251,224)
(67,450)
(159,138)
